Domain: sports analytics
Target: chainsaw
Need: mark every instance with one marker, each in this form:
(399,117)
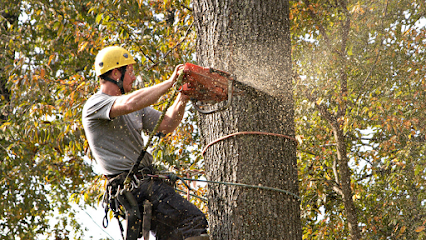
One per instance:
(206,86)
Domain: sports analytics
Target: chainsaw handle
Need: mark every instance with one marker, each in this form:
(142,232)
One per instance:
(228,103)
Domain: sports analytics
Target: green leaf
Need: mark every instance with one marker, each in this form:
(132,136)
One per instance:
(99,18)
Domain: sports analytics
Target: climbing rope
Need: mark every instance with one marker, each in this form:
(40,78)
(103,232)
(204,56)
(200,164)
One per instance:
(245,185)
(135,166)
(175,177)
(247,133)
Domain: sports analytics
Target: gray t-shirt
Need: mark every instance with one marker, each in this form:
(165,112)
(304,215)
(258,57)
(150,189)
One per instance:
(116,143)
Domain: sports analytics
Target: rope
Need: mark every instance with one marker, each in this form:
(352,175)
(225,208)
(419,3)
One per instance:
(154,131)
(192,195)
(247,133)
(175,92)
(174,176)
(245,185)
(91,218)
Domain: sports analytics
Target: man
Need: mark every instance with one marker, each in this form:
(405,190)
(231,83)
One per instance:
(113,120)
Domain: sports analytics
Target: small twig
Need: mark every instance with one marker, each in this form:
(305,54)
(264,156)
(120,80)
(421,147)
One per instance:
(145,55)
(186,7)
(174,47)
(373,66)
(321,28)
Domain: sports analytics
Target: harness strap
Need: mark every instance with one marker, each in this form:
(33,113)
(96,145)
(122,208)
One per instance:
(134,169)
(146,222)
(116,195)
(133,216)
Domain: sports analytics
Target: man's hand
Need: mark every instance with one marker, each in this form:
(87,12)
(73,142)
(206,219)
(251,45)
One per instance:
(179,70)
(175,74)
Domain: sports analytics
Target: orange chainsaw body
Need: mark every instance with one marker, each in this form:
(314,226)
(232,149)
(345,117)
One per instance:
(205,84)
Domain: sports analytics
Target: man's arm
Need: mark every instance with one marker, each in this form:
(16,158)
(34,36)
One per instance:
(139,99)
(174,115)
(142,98)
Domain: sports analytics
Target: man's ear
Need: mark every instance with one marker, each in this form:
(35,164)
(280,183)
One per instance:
(115,74)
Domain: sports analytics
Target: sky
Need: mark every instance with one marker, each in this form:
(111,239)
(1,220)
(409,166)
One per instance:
(91,218)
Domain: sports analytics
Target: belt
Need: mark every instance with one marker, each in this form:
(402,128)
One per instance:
(142,171)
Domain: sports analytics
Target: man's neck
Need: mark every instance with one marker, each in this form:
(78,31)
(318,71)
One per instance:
(110,89)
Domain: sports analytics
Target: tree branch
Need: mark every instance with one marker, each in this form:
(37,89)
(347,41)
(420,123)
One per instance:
(373,66)
(321,28)
(335,172)
(174,47)
(313,98)
(186,7)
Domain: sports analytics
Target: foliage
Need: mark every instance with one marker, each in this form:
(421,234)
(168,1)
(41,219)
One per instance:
(379,55)
(48,67)
(370,72)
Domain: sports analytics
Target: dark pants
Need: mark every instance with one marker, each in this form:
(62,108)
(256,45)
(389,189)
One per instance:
(173,217)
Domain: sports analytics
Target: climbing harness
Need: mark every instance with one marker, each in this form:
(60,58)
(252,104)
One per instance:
(118,194)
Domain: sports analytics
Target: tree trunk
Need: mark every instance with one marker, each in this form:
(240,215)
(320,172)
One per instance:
(9,15)
(251,40)
(345,183)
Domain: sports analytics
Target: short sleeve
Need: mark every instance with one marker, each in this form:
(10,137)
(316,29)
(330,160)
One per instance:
(98,107)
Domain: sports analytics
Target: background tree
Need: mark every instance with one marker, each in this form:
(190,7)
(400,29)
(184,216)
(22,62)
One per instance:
(251,40)
(48,50)
(360,114)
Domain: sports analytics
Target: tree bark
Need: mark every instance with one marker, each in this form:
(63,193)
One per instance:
(251,40)
(10,16)
(345,182)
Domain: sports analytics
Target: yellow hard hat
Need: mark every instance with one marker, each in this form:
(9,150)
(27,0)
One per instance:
(112,57)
